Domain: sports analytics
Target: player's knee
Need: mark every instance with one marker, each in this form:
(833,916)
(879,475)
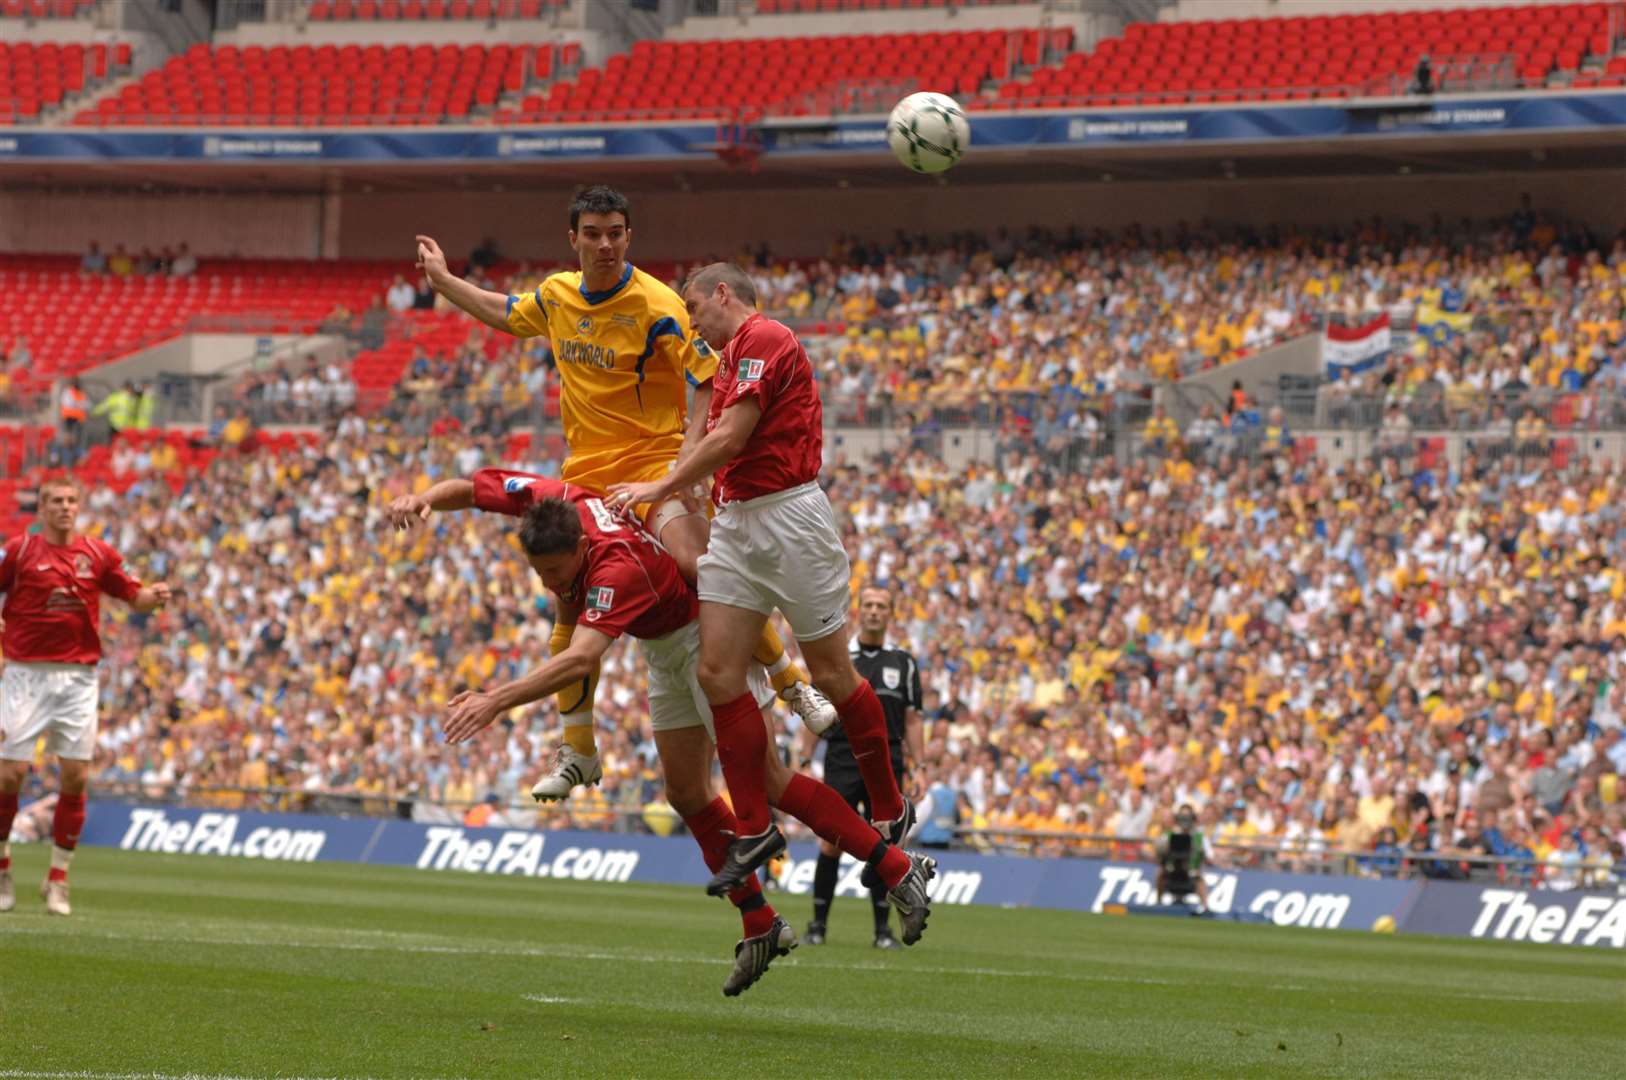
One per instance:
(720,679)
(75,776)
(835,679)
(12,775)
(688,795)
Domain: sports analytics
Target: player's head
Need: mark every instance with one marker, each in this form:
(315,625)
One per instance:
(874,610)
(600,229)
(555,545)
(59,503)
(719,297)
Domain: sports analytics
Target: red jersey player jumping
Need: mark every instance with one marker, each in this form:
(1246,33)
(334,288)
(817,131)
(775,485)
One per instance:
(620,581)
(53,583)
(774,544)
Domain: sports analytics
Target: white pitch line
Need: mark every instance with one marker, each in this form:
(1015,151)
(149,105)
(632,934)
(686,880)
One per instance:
(544,999)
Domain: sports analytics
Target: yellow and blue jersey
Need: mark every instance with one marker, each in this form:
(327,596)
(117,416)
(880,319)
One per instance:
(626,359)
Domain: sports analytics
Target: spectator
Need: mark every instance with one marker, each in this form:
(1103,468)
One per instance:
(400,296)
(146,406)
(1203,432)
(119,264)
(120,408)
(184,264)
(93,261)
(423,298)
(1160,435)
(73,409)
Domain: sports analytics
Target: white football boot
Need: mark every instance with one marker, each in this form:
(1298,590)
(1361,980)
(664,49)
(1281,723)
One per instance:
(569,769)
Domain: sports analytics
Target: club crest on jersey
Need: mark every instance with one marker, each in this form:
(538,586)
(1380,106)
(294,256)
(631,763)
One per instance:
(751,370)
(81,566)
(584,325)
(516,484)
(892,677)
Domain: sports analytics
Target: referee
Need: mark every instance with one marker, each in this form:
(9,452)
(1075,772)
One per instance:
(896,679)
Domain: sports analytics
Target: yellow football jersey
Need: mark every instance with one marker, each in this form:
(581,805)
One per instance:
(626,358)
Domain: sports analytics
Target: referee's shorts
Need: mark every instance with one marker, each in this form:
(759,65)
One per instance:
(848,782)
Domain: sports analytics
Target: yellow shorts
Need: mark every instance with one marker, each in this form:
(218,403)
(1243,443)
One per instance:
(598,470)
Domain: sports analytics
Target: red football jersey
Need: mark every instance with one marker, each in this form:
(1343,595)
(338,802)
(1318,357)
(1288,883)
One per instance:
(628,584)
(766,361)
(53,593)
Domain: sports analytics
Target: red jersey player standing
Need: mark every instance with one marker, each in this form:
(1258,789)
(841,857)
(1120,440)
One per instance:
(774,544)
(53,583)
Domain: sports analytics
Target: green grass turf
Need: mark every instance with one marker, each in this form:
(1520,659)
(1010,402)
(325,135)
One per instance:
(176,965)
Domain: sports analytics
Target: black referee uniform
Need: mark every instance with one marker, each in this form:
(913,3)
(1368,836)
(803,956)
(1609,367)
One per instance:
(896,679)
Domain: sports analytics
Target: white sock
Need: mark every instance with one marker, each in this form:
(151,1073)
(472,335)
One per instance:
(60,858)
(779,665)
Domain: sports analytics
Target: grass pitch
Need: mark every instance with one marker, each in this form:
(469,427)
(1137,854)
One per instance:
(210,967)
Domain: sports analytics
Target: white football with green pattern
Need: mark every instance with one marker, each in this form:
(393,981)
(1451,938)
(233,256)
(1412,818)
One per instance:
(928,132)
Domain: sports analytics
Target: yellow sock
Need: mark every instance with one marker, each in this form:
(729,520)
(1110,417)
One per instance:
(575,702)
(770,653)
(580,736)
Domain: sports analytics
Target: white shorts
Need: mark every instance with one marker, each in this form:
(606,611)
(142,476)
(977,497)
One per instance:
(54,700)
(675,697)
(780,551)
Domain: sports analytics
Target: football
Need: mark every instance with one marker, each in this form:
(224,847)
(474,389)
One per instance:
(928,132)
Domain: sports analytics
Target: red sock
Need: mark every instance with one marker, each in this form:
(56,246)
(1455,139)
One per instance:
(818,807)
(8,812)
(742,741)
(865,724)
(713,827)
(68,820)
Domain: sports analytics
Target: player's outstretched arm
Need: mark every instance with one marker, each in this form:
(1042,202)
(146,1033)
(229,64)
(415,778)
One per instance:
(407,510)
(474,710)
(151,597)
(490,308)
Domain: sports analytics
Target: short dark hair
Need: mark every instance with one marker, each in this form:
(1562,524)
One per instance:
(600,199)
(739,282)
(550,527)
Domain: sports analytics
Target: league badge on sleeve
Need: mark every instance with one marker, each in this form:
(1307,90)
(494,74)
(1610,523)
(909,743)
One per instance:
(516,484)
(751,370)
(599,601)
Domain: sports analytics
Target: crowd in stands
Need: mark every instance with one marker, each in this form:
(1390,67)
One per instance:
(1518,319)
(1373,662)
(1516,312)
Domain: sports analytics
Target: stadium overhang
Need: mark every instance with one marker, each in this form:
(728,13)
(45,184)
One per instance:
(1444,136)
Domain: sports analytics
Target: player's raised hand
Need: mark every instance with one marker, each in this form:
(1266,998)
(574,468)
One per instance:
(407,510)
(472,712)
(432,261)
(162,592)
